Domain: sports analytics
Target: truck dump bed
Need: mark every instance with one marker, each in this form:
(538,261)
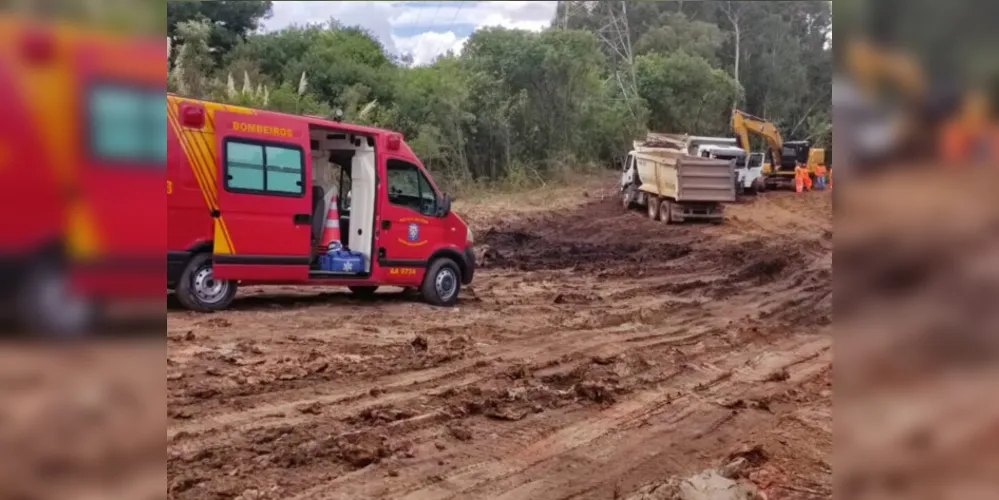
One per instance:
(671,173)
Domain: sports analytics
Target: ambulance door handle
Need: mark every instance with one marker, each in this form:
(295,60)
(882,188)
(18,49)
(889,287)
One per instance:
(301,219)
(386,224)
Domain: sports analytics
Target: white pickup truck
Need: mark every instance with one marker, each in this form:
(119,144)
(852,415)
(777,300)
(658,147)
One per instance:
(748,166)
(675,186)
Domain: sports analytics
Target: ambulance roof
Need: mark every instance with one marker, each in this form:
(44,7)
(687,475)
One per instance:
(310,119)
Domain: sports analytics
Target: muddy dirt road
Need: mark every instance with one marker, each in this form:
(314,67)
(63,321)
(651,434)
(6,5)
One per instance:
(596,352)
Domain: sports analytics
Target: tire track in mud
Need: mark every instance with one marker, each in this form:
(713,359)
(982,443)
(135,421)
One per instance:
(628,332)
(521,449)
(402,389)
(591,337)
(552,346)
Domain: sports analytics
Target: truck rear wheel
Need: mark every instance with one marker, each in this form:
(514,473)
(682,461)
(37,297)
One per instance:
(198,289)
(666,211)
(653,205)
(442,283)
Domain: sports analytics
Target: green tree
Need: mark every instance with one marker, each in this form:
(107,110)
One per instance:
(335,57)
(191,72)
(677,32)
(685,94)
(230,21)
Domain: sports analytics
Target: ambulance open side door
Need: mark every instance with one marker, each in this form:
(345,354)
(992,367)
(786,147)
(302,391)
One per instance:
(264,222)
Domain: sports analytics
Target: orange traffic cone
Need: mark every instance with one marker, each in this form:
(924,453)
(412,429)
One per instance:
(331,232)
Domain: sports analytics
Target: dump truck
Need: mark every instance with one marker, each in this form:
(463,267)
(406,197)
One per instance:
(675,186)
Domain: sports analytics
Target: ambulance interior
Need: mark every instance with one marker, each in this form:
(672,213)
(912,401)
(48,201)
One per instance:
(343,177)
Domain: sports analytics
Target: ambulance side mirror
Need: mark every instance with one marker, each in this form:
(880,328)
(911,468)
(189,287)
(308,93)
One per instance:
(444,207)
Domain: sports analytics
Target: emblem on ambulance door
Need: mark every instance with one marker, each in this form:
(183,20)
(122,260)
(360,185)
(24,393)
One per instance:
(414,232)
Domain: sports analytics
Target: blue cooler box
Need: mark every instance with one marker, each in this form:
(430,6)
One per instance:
(342,261)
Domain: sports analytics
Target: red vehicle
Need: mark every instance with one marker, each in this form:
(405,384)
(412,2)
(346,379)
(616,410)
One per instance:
(247,195)
(82,161)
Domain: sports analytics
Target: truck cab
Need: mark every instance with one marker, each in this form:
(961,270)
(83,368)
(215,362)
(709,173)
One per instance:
(259,208)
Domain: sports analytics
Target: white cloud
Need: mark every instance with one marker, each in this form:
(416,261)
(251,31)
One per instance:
(426,46)
(372,16)
(438,26)
(523,15)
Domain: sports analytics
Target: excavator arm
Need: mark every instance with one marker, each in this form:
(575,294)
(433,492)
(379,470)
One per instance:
(744,124)
(871,66)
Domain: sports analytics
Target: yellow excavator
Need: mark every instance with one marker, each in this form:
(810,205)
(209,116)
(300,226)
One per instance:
(782,156)
(923,124)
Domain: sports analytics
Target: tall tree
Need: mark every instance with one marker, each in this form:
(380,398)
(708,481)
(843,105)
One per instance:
(733,12)
(230,21)
(677,32)
(685,94)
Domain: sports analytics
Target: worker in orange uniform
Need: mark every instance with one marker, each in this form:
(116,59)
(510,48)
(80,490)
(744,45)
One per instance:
(802,180)
(820,177)
(954,144)
(962,136)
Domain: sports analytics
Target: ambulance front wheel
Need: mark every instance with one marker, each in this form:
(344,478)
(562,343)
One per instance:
(442,283)
(198,289)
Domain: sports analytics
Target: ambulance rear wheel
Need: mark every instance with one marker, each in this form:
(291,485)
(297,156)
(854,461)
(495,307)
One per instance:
(364,292)
(48,307)
(198,289)
(442,283)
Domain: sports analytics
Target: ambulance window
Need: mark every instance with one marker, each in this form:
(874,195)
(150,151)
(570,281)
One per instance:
(428,198)
(284,170)
(158,116)
(123,124)
(408,187)
(403,184)
(127,124)
(263,168)
(245,165)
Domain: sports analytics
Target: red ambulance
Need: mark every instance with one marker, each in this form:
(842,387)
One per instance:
(82,157)
(251,195)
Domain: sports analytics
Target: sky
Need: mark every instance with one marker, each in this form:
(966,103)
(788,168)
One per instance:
(421,29)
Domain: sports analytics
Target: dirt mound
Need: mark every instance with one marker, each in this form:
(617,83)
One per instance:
(601,238)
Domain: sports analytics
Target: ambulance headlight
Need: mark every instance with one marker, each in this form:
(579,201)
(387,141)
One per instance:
(469,238)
